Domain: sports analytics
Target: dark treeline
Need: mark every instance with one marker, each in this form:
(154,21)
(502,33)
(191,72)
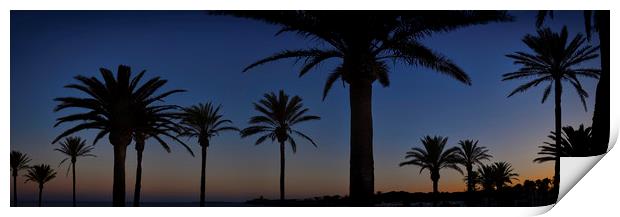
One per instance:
(531,193)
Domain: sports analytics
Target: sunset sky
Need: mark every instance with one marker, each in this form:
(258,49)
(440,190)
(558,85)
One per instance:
(205,54)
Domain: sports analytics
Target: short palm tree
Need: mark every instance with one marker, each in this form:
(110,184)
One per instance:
(74,147)
(204,121)
(157,122)
(364,43)
(279,114)
(575,143)
(40,174)
(471,154)
(555,60)
(473,178)
(596,21)
(503,173)
(486,177)
(112,108)
(433,157)
(19,161)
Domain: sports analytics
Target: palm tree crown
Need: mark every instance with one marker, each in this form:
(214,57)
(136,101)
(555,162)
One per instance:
(279,114)
(575,143)
(554,58)
(470,154)
(112,106)
(40,174)
(74,147)
(496,175)
(433,157)
(204,121)
(485,176)
(19,161)
(503,173)
(157,122)
(366,41)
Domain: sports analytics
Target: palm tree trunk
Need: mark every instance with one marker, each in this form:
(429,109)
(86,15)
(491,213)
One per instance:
(203,175)
(138,186)
(73,171)
(470,180)
(40,193)
(361,177)
(15,190)
(435,191)
(281,171)
(558,134)
(120,143)
(600,119)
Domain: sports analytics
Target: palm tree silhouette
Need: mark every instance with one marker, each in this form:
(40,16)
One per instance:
(278,115)
(486,177)
(74,147)
(555,59)
(471,154)
(40,174)
(19,161)
(204,121)
(473,178)
(503,173)
(112,108)
(575,143)
(365,42)
(154,121)
(599,22)
(494,176)
(433,158)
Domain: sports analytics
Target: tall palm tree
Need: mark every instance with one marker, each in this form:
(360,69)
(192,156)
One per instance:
(278,115)
(599,22)
(157,122)
(204,121)
(19,161)
(40,174)
(503,173)
(555,60)
(364,43)
(433,157)
(575,143)
(471,154)
(74,147)
(112,108)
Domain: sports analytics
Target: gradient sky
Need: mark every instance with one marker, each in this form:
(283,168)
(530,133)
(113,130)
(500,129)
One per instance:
(205,54)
